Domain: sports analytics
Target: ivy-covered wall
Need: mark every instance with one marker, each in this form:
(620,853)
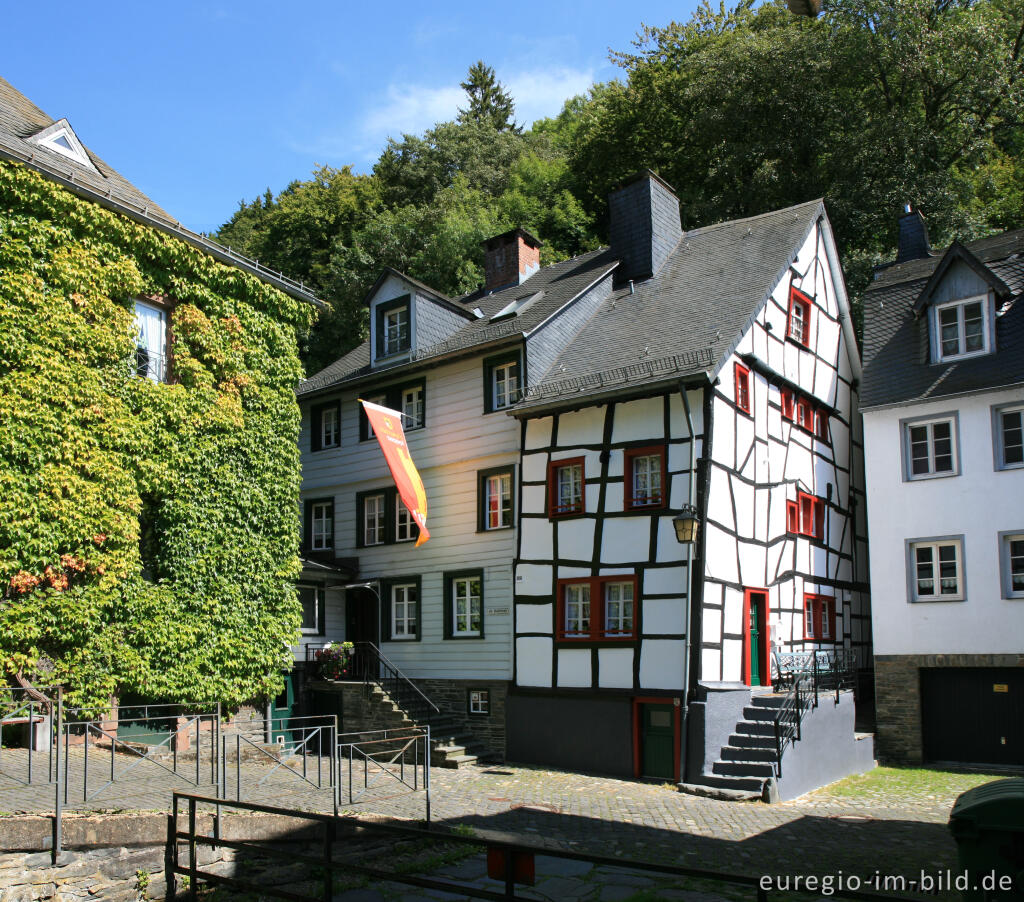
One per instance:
(209,463)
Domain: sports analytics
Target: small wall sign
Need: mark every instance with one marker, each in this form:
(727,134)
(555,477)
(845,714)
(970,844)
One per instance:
(1000,687)
(497,612)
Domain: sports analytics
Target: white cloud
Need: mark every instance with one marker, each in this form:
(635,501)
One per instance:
(542,92)
(407,108)
(411,109)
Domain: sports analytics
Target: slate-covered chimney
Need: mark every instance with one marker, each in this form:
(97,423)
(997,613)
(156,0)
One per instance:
(510,258)
(644,226)
(913,239)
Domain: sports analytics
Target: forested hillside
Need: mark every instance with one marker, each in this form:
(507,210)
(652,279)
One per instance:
(871,105)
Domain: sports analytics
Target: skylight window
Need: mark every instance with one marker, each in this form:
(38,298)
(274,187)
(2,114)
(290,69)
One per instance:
(518,306)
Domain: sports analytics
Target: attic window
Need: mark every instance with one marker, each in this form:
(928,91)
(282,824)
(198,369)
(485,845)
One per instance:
(518,306)
(61,138)
(961,329)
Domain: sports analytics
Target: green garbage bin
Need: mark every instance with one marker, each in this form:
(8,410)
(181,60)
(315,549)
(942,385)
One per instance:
(987,823)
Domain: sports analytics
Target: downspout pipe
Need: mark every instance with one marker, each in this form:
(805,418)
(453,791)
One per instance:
(689,550)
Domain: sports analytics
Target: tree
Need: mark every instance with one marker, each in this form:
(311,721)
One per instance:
(489,102)
(872,105)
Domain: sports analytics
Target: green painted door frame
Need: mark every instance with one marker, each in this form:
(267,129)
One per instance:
(282,709)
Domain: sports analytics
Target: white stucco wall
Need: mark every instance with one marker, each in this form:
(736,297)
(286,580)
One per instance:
(979,503)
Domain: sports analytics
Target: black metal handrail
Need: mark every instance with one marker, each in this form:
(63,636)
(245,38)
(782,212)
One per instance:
(370,665)
(807,684)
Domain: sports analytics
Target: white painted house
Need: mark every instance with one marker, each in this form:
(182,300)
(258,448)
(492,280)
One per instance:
(943,407)
(712,370)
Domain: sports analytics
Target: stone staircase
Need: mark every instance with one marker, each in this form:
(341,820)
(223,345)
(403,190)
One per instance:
(451,744)
(748,763)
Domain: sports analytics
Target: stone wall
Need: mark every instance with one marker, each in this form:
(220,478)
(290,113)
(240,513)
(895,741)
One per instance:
(452,697)
(118,857)
(898,699)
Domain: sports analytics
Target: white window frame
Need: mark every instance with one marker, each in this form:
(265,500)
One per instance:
(999,435)
(156,361)
(400,601)
(498,485)
(935,544)
(379,525)
(321,526)
(504,384)
(960,304)
(1006,562)
(951,418)
(330,427)
(394,345)
(479,702)
(619,620)
(405,525)
(583,613)
(464,602)
(318,601)
(412,407)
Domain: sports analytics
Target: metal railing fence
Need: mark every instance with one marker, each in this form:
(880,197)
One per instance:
(323,866)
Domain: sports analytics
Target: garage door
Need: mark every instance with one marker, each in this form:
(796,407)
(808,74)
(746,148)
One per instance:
(973,715)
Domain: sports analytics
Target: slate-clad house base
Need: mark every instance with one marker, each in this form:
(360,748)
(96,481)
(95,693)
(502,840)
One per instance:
(586,732)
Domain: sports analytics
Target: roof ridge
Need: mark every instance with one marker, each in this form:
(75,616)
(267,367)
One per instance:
(731,222)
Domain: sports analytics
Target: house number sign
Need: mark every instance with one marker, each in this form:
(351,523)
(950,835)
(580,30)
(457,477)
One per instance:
(497,612)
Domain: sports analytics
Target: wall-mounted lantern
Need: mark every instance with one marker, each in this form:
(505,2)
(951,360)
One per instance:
(687,524)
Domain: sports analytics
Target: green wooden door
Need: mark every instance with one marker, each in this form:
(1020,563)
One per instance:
(758,677)
(282,710)
(657,741)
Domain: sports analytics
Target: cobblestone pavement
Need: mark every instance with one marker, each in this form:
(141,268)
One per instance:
(817,834)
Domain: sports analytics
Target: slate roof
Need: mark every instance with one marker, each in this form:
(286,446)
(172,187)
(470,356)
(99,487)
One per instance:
(896,346)
(20,120)
(560,283)
(684,321)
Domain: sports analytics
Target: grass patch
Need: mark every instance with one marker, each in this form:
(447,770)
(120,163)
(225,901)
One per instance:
(906,783)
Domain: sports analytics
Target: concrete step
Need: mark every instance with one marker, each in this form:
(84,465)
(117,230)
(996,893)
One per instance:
(756,712)
(722,793)
(762,769)
(721,781)
(454,761)
(746,741)
(756,728)
(745,753)
(768,701)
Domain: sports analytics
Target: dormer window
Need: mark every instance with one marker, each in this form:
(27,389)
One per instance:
(151,341)
(393,327)
(961,329)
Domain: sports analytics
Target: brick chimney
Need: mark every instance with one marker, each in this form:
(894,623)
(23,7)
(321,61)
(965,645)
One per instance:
(644,227)
(913,243)
(510,259)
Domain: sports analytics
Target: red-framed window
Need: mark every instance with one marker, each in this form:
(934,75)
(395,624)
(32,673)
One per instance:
(742,388)
(646,478)
(798,325)
(806,516)
(566,487)
(600,608)
(805,413)
(819,617)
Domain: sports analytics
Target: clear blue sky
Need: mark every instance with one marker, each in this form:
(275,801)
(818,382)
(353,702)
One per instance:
(202,104)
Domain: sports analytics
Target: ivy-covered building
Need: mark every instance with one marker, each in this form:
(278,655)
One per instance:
(149,469)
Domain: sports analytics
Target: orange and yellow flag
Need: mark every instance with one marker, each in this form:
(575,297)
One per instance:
(387,426)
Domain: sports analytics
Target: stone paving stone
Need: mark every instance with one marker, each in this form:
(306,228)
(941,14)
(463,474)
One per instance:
(561,867)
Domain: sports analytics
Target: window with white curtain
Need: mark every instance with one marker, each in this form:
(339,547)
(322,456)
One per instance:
(151,341)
